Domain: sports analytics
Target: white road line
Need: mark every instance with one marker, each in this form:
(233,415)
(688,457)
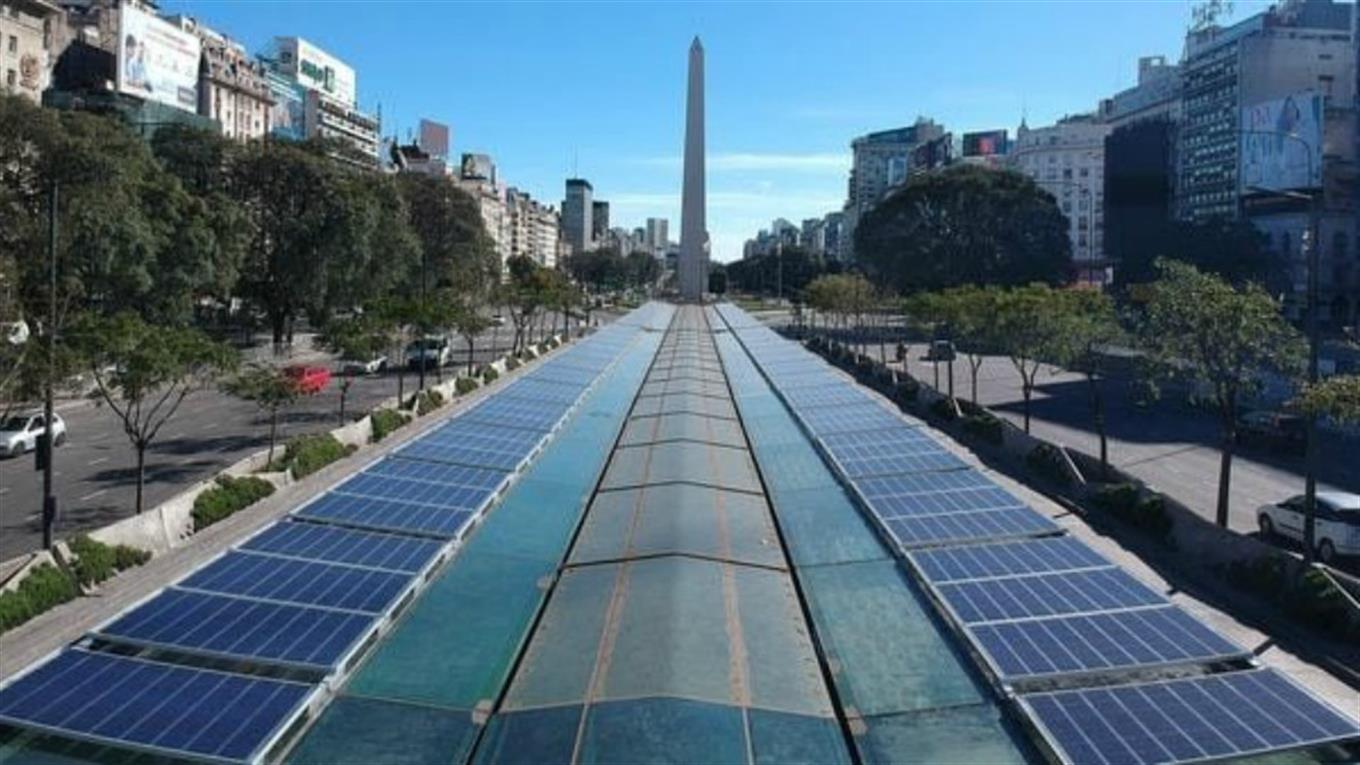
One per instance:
(4,490)
(92,463)
(92,495)
(210,425)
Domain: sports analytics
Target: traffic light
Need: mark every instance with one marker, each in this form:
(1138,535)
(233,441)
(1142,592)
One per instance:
(40,454)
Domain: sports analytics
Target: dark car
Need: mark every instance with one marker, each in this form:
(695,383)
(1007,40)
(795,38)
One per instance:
(1272,429)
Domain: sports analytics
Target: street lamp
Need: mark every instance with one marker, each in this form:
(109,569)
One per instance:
(1314,199)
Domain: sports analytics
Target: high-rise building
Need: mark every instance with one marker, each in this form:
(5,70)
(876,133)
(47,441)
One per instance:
(1157,95)
(599,221)
(434,138)
(535,229)
(657,235)
(1139,181)
(694,243)
(813,236)
(833,235)
(577,216)
(1067,159)
(882,161)
(477,176)
(321,90)
(27,42)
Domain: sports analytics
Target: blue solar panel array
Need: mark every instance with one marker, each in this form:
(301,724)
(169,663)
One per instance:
(1037,606)
(302,597)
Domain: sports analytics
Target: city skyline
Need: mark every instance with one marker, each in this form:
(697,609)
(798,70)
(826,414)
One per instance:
(623,132)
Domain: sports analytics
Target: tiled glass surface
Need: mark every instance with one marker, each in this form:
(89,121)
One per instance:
(971,734)
(360,731)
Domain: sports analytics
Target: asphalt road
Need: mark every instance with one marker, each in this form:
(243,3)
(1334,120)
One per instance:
(94,471)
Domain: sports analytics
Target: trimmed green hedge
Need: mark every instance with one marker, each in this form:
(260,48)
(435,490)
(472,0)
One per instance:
(511,364)
(45,587)
(307,454)
(1126,502)
(96,561)
(230,495)
(944,409)
(464,385)
(427,401)
(489,374)
(1048,462)
(907,390)
(1313,600)
(385,421)
(986,427)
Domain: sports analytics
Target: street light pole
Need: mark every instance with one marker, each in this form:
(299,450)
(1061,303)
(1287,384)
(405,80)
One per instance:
(1314,199)
(49,507)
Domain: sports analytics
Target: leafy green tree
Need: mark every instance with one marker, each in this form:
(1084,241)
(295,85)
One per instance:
(360,336)
(447,223)
(1087,327)
(1027,326)
(965,225)
(271,390)
(971,315)
(643,270)
(1221,338)
(143,372)
(1336,397)
(1235,250)
(470,324)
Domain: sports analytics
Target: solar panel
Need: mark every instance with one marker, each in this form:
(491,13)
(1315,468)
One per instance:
(222,626)
(845,419)
(837,394)
(451,453)
(1218,716)
(969,527)
(1145,637)
(316,541)
(566,373)
(925,461)
(529,414)
(882,439)
(452,475)
(543,390)
(910,485)
(415,492)
(1031,556)
(482,435)
(306,583)
(386,515)
(1068,592)
(170,709)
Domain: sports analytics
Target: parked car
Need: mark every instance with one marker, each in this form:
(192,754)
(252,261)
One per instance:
(429,352)
(498,320)
(369,366)
(1336,526)
(19,434)
(1274,429)
(309,380)
(940,350)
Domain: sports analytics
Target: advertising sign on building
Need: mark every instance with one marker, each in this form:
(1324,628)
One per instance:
(156,60)
(1282,143)
(897,170)
(287,117)
(477,167)
(434,138)
(989,143)
(316,69)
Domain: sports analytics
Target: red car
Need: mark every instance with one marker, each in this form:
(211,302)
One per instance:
(309,380)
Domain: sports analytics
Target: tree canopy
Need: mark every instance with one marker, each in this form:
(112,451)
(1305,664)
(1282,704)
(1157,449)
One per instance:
(965,224)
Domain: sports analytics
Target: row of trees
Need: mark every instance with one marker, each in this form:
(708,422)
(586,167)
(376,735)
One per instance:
(158,248)
(606,269)
(1193,328)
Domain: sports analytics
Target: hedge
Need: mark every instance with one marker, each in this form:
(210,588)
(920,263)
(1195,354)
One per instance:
(512,363)
(907,390)
(985,426)
(1126,502)
(45,587)
(1314,600)
(307,454)
(464,385)
(96,561)
(385,421)
(427,401)
(489,374)
(944,409)
(230,495)
(1047,461)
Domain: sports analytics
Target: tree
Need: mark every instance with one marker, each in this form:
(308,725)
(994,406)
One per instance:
(271,390)
(359,335)
(143,372)
(1233,249)
(470,323)
(972,317)
(1087,326)
(1336,397)
(1026,327)
(643,270)
(1221,338)
(965,225)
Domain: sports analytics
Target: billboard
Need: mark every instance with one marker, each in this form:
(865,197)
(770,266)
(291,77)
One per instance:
(157,61)
(317,69)
(1274,134)
(434,138)
(989,143)
(477,167)
(288,115)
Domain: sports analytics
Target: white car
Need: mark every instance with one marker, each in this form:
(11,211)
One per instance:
(1336,526)
(363,366)
(19,434)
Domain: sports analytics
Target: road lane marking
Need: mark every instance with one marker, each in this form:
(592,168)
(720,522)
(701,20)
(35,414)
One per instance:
(92,495)
(92,463)
(4,490)
(210,425)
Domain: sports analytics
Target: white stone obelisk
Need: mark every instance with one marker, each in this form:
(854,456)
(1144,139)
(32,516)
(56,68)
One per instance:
(692,266)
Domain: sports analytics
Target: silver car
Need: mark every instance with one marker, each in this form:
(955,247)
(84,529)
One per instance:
(19,434)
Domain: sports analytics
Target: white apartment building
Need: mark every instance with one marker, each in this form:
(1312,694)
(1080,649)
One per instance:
(231,86)
(26,46)
(1068,160)
(534,228)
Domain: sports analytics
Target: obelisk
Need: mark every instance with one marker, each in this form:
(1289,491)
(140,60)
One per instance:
(693,262)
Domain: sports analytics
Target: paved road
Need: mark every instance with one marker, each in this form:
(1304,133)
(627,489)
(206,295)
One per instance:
(94,471)
(1170,446)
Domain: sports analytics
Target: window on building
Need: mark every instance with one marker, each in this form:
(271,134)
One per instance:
(11,78)
(13,44)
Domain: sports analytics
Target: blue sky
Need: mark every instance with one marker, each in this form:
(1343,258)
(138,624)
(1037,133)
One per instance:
(552,89)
